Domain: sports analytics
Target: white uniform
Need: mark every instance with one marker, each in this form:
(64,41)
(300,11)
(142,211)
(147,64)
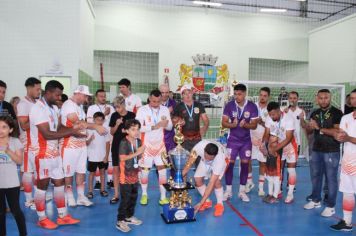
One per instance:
(152,139)
(133,103)
(217,166)
(47,160)
(348,163)
(279,129)
(23,110)
(97,147)
(257,135)
(73,150)
(296,115)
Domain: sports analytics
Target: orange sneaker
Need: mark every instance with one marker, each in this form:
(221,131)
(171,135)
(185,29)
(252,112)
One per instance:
(219,210)
(206,205)
(47,224)
(67,220)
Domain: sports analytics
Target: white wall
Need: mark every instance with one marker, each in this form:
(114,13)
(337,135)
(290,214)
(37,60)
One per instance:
(332,52)
(38,34)
(179,33)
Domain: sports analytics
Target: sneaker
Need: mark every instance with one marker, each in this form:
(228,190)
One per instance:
(49,196)
(289,199)
(47,224)
(144,200)
(294,190)
(261,193)
(123,226)
(266,199)
(249,187)
(114,200)
(133,221)
(311,205)
(162,201)
(104,193)
(206,205)
(31,205)
(219,210)
(110,184)
(227,195)
(71,202)
(328,211)
(341,226)
(280,195)
(243,196)
(90,195)
(309,198)
(272,200)
(84,201)
(67,220)
(97,185)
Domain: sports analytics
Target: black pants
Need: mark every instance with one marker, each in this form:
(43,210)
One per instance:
(12,196)
(128,193)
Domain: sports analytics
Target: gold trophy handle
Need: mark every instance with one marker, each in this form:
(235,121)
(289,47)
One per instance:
(164,158)
(191,159)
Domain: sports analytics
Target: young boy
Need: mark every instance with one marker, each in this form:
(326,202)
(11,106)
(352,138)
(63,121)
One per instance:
(98,153)
(130,152)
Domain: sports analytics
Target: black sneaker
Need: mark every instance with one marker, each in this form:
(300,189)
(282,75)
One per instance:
(97,185)
(341,226)
(309,198)
(110,184)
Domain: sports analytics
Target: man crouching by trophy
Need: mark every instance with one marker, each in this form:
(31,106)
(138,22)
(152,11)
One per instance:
(213,163)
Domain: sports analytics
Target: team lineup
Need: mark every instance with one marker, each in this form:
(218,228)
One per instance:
(59,143)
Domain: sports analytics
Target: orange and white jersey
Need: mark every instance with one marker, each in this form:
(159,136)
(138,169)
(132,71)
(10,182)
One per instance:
(257,134)
(153,139)
(41,113)
(133,103)
(348,163)
(296,115)
(23,110)
(280,128)
(70,107)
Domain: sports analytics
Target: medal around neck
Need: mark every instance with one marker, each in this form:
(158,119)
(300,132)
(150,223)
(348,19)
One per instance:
(180,208)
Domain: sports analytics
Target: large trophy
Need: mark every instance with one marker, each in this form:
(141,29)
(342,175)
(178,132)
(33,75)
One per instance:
(180,207)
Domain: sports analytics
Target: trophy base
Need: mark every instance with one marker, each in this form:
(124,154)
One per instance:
(175,215)
(168,187)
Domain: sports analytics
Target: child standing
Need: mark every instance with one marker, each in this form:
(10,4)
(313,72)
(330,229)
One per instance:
(130,152)
(98,154)
(10,156)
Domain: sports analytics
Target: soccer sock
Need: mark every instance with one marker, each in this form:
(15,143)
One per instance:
(80,190)
(270,185)
(229,174)
(292,179)
(27,186)
(242,188)
(243,173)
(229,188)
(219,193)
(144,181)
(162,178)
(261,181)
(59,199)
(348,205)
(69,192)
(40,202)
(249,178)
(276,186)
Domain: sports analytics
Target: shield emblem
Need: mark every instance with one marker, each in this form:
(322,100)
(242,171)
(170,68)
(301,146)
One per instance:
(209,77)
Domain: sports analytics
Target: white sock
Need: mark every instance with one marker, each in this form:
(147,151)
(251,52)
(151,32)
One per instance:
(270,185)
(219,193)
(249,178)
(291,180)
(201,189)
(144,178)
(162,177)
(69,192)
(348,205)
(276,186)
(242,188)
(229,188)
(290,190)
(163,192)
(144,189)
(261,181)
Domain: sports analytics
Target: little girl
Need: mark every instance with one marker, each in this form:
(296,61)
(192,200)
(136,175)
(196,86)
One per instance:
(10,156)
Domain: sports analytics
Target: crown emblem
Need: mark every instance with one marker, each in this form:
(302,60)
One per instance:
(202,59)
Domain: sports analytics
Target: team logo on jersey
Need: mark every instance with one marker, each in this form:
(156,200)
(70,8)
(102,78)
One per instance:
(248,153)
(247,114)
(196,110)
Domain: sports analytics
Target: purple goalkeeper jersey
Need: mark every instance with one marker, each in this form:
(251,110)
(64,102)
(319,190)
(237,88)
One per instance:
(240,135)
(169,134)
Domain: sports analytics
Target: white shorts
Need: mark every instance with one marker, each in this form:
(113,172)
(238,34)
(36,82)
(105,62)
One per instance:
(48,168)
(148,161)
(257,154)
(74,161)
(347,183)
(290,153)
(203,171)
(28,165)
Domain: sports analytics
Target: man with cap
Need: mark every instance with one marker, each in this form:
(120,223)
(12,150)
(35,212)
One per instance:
(73,150)
(188,114)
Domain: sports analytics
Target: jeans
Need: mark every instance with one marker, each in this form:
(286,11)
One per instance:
(328,164)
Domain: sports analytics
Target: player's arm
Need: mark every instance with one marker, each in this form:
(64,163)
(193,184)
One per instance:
(45,131)
(107,151)
(204,117)
(138,152)
(16,156)
(226,123)
(170,123)
(24,122)
(286,141)
(330,131)
(251,125)
(209,189)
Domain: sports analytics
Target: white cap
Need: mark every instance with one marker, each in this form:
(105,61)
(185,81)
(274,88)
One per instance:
(185,87)
(83,89)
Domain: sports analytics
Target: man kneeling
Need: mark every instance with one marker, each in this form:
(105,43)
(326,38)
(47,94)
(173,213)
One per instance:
(212,165)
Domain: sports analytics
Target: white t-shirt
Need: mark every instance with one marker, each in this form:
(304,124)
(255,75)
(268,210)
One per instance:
(296,115)
(218,165)
(70,107)
(23,110)
(132,103)
(8,168)
(348,164)
(153,139)
(257,134)
(99,108)
(41,113)
(97,147)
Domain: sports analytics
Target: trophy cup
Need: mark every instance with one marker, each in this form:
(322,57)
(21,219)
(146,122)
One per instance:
(180,207)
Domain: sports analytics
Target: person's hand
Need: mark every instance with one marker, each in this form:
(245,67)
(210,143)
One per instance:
(107,111)
(181,122)
(119,121)
(235,123)
(92,137)
(106,159)
(341,136)
(302,115)
(313,124)
(243,123)
(101,130)
(141,150)
(263,149)
(197,207)
(162,124)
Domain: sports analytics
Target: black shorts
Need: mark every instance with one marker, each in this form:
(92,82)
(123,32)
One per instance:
(115,158)
(92,166)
